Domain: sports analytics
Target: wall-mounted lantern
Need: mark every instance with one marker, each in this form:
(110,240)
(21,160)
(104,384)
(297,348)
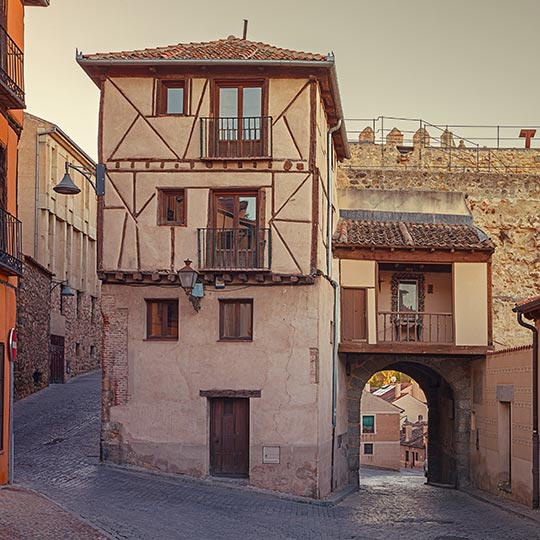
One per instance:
(188,281)
(68,187)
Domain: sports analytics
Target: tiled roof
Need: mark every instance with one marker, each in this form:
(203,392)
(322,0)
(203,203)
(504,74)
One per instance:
(232,48)
(529,304)
(417,436)
(385,234)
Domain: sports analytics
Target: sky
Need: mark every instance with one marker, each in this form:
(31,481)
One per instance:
(447,62)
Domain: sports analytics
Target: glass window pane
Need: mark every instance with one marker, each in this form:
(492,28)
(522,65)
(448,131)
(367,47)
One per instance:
(225,211)
(247,208)
(172,319)
(228,102)
(252,102)
(408,298)
(155,323)
(175,100)
(368,424)
(245,320)
(228,320)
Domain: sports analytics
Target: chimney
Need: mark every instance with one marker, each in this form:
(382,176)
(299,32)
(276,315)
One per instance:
(368,387)
(395,137)
(408,432)
(397,390)
(367,136)
(244,33)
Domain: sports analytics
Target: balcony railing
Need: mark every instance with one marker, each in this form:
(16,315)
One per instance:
(11,72)
(415,326)
(10,247)
(234,249)
(236,138)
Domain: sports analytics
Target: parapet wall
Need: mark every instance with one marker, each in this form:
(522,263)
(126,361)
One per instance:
(504,204)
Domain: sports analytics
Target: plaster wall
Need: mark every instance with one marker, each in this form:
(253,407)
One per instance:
(157,414)
(412,409)
(470,302)
(490,434)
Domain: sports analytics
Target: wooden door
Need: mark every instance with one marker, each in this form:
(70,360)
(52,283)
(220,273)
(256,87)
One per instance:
(353,314)
(56,359)
(3,393)
(229,437)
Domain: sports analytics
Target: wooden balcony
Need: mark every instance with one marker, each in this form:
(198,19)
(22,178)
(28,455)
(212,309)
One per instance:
(10,244)
(11,73)
(227,138)
(243,249)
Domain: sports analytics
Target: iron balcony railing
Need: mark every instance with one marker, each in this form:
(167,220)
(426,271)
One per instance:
(10,244)
(11,72)
(415,326)
(236,138)
(234,249)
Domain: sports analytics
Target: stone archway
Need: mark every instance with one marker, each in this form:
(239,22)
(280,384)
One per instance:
(447,385)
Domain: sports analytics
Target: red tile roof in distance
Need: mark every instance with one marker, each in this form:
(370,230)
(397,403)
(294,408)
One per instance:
(232,48)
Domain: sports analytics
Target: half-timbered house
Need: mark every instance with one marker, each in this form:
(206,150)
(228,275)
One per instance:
(222,153)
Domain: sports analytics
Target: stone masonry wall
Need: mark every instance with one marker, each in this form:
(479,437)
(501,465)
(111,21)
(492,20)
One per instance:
(504,204)
(83,324)
(33,319)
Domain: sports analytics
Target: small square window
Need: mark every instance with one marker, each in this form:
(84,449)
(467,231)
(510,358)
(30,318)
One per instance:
(368,449)
(368,423)
(236,320)
(172,97)
(172,207)
(162,319)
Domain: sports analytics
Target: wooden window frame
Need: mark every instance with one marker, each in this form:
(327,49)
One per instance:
(372,446)
(163,194)
(237,301)
(162,86)
(240,84)
(164,302)
(374,426)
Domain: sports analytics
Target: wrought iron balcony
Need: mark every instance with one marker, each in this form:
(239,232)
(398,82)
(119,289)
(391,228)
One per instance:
(11,73)
(10,244)
(236,138)
(415,327)
(234,249)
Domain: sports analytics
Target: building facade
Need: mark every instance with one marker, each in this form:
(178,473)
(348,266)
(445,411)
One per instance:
(379,433)
(60,234)
(222,153)
(11,105)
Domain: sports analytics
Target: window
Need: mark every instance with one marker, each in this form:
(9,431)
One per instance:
(368,449)
(172,97)
(162,319)
(408,295)
(406,455)
(172,207)
(236,320)
(368,424)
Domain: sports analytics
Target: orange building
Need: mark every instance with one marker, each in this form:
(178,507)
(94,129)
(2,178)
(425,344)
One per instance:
(11,105)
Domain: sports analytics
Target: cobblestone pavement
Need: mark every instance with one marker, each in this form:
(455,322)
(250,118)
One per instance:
(57,433)
(26,515)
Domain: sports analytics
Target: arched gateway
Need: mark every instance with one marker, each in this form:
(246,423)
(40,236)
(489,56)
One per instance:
(415,276)
(446,384)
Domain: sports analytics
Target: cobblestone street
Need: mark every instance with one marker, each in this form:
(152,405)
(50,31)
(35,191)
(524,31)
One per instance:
(57,435)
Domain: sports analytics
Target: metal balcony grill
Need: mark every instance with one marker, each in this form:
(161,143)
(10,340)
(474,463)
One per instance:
(234,249)
(236,138)
(10,244)
(11,72)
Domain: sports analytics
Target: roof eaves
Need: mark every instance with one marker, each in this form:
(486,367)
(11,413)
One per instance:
(529,305)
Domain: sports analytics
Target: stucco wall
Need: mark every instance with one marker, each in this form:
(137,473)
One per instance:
(157,418)
(505,375)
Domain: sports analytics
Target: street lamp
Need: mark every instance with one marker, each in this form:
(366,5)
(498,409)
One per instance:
(65,289)
(188,280)
(68,187)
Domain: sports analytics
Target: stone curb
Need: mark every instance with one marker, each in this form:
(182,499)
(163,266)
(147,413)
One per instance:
(233,485)
(508,506)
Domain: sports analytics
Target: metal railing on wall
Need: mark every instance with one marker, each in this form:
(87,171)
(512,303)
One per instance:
(11,71)
(10,243)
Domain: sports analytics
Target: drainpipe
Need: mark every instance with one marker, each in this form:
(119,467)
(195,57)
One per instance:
(535,440)
(335,286)
(36,193)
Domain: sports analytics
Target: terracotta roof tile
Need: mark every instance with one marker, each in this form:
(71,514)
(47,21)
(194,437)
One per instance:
(232,48)
(384,234)
(528,305)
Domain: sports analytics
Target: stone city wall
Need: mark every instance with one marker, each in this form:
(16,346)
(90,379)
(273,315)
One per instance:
(33,319)
(504,204)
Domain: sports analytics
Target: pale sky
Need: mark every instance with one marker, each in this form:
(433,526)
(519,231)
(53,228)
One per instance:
(448,62)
